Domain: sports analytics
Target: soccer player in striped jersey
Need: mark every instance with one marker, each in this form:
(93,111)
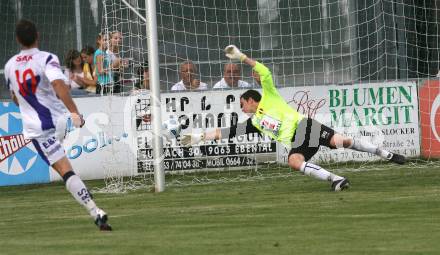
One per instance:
(38,87)
(273,117)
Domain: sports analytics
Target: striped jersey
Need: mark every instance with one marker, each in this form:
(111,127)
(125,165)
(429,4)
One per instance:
(29,75)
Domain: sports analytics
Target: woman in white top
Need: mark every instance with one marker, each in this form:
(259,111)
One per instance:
(74,70)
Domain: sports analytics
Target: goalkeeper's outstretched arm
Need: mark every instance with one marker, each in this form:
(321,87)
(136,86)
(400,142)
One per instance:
(246,127)
(220,133)
(266,81)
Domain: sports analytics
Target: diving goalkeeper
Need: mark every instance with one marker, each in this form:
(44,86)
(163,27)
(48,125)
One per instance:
(273,117)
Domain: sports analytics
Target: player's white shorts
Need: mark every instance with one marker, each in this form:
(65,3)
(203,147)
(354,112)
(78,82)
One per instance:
(49,148)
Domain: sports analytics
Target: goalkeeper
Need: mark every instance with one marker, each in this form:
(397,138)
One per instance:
(273,117)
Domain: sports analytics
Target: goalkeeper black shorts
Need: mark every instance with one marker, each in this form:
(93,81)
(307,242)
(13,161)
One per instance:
(309,135)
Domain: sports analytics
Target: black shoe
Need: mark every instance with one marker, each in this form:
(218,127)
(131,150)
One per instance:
(340,184)
(398,159)
(101,221)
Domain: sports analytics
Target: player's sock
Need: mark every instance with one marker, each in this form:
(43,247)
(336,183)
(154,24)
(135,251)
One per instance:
(318,172)
(79,191)
(365,146)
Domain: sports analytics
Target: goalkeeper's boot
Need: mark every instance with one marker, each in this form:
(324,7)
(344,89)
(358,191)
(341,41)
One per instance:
(340,184)
(398,159)
(101,220)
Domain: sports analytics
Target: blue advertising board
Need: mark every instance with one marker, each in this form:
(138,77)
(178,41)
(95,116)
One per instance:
(20,162)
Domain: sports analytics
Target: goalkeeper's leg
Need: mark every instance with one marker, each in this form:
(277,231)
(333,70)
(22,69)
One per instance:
(309,135)
(339,141)
(326,136)
(297,162)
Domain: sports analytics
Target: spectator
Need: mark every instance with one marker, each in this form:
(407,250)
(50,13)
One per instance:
(90,78)
(113,52)
(143,77)
(101,61)
(188,76)
(74,72)
(231,78)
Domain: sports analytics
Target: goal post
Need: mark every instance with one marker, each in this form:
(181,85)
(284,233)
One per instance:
(153,63)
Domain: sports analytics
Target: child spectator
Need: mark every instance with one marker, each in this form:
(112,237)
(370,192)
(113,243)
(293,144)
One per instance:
(102,63)
(90,78)
(116,62)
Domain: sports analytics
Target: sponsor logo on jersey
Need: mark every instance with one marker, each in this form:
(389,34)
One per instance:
(270,125)
(23,58)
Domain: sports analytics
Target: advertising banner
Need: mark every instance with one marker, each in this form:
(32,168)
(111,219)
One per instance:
(116,141)
(201,112)
(385,114)
(104,145)
(429,96)
(20,162)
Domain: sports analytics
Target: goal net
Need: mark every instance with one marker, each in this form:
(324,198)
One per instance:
(365,68)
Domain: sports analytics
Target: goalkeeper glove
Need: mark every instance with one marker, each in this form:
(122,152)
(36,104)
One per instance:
(192,139)
(234,53)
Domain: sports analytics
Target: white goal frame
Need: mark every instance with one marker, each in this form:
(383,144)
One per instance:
(153,60)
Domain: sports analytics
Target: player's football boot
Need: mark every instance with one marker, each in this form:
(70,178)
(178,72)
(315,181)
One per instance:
(341,184)
(101,220)
(398,159)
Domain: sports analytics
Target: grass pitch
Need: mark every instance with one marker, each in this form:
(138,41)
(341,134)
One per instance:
(394,211)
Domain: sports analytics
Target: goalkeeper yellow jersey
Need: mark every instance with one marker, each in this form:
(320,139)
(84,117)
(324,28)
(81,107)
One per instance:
(274,117)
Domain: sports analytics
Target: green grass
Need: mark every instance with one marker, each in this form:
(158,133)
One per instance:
(394,211)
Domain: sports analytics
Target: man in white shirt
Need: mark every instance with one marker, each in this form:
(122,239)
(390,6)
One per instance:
(231,78)
(188,76)
(39,88)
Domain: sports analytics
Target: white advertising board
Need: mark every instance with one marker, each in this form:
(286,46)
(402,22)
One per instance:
(200,112)
(105,144)
(112,144)
(385,114)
